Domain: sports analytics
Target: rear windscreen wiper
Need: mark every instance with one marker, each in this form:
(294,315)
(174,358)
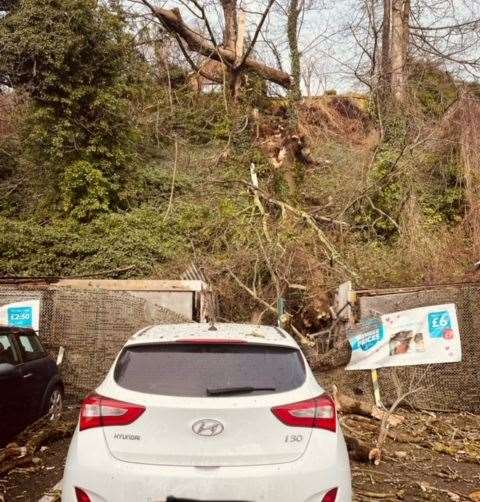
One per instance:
(220,391)
(174,499)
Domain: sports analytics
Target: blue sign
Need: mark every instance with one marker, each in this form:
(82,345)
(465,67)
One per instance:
(365,335)
(21,317)
(438,322)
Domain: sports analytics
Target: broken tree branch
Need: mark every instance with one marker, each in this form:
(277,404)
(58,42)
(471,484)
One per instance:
(386,419)
(257,33)
(258,204)
(357,450)
(332,253)
(174,176)
(40,432)
(349,405)
(300,336)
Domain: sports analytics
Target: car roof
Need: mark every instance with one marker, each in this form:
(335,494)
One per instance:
(14,330)
(250,333)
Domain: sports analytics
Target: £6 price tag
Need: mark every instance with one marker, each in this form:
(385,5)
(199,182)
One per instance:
(438,323)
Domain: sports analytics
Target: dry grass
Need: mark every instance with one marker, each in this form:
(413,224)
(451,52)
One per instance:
(465,122)
(338,118)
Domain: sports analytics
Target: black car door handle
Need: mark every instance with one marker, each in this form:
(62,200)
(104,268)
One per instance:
(28,375)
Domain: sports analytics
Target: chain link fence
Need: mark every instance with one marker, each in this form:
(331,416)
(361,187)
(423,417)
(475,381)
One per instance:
(91,326)
(443,387)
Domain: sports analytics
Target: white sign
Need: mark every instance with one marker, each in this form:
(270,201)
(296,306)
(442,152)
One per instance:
(425,335)
(24,314)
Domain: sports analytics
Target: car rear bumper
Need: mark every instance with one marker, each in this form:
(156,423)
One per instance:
(106,479)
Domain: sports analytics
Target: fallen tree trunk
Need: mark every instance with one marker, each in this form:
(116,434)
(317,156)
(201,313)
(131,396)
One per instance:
(172,20)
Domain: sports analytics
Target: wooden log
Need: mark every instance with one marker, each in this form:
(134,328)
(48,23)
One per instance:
(49,434)
(357,450)
(12,463)
(12,451)
(349,405)
(41,432)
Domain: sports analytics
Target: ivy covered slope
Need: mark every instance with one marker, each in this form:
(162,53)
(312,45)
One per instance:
(80,76)
(111,162)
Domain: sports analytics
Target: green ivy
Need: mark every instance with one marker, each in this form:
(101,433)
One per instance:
(395,176)
(139,239)
(78,64)
(433,89)
(85,191)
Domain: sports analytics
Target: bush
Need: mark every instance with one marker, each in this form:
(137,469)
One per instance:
(85,191)
(140,239)
(431,88)
(79,65)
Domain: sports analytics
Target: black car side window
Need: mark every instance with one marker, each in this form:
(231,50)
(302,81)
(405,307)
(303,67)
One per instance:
(31,347)
(7,351)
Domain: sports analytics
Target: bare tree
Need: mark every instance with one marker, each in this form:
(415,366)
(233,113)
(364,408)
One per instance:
(293,13)
(313,76)
(395,33)
(395,46)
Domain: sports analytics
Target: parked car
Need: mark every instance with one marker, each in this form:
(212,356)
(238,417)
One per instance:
(30,384)
(199,413)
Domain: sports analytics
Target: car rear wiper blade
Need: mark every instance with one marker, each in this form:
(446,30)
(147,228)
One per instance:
(220,391)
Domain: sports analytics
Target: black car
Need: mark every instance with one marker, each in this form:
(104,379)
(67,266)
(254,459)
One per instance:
(30,384)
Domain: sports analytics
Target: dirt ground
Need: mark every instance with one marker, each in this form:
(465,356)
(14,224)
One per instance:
(440,462)
(28,484)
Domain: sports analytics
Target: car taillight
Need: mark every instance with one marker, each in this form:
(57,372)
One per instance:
(99,411)
(330,496)
(81,495)
(318,413)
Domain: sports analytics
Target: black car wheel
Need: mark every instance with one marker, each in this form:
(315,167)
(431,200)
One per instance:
(54,404)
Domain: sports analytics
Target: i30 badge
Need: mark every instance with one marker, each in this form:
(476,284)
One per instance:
(207,427)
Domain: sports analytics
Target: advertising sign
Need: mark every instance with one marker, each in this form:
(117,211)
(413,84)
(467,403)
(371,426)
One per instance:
(25,314)
(425,335)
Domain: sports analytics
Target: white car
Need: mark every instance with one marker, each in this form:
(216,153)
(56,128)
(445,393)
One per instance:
(193,412)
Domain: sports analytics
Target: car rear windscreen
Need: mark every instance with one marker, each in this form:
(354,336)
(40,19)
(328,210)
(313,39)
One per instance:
(190,370)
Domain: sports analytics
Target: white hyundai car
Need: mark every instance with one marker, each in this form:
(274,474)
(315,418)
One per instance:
(194,412)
